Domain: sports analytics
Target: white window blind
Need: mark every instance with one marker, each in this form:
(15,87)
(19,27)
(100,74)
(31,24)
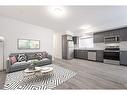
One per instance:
(86,42)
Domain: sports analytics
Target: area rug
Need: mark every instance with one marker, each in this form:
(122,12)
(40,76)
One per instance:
(20,81)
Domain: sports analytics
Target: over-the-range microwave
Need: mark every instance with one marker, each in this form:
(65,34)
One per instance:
(111,39)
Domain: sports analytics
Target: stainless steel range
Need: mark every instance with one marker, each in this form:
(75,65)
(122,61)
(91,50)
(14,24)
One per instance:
(112,55)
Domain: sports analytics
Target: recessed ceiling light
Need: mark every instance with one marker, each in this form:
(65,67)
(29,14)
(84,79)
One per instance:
(85,27)
(57,11)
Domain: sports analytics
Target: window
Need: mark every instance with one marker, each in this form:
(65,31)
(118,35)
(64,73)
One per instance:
(86,42)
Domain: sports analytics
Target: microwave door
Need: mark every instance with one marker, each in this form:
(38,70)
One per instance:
(113,39)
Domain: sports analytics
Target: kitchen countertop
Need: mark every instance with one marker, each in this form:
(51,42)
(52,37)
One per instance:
(94,49)
(88,49)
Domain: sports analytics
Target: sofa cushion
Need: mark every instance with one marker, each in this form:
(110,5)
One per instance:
(19,65)
(44,54)
(30,56)
(43,62)
(22,57)
(12,59)
(39,56)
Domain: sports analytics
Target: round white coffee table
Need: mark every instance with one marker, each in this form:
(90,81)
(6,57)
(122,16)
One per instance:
(45,70)
(38,70)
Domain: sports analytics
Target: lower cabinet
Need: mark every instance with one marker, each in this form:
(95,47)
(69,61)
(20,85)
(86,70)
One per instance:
(81,54)
(86,54)
(97,55)
(123,57)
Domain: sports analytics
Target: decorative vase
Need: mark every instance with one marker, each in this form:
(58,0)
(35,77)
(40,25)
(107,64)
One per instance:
(31,67)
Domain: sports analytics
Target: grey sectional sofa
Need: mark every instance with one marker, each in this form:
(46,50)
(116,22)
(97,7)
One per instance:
(24,64)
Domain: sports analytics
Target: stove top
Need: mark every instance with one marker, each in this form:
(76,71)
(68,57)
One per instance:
(112,48)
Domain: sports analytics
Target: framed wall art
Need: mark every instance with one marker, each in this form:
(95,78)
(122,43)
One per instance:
(28,44)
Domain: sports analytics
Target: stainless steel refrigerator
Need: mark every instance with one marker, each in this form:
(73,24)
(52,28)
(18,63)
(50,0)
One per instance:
(67,47)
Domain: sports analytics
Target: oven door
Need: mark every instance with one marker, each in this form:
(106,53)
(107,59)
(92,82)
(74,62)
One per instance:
(110,55)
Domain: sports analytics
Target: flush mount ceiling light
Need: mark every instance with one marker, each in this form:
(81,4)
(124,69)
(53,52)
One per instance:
(57,11)
(1,38)
(84,27)
(87,31)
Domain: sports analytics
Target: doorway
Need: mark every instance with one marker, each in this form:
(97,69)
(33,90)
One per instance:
(1,53)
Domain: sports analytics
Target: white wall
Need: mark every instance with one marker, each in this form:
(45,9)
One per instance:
(58,44)
(12,30)
(1,55)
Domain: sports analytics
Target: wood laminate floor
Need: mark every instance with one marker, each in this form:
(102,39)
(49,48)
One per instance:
(94,75)
(90,75)
(2,79)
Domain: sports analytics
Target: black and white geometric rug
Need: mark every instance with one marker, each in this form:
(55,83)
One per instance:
(19,80)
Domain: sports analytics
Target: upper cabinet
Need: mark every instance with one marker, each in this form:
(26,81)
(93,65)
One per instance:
(121,32)
(98,37)
(76,39)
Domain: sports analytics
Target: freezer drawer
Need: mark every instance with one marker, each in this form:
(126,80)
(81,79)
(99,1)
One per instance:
(70,53)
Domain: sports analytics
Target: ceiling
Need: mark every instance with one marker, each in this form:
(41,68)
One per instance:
(99,17)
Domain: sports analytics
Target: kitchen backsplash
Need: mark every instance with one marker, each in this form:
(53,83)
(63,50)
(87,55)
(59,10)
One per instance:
(98,46)
(102,46)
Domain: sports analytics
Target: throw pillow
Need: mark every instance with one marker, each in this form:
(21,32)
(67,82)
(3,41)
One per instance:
(22,57)
(45,54)
(39,56)
(12,59)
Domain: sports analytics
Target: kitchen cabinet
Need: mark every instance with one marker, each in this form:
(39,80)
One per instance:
(86,54)
(123,57)
(78,54)
(98,37)
(115,32)
(75,53)
(96,55)
(99,56)
(76,39)
(123,34)
(81,54)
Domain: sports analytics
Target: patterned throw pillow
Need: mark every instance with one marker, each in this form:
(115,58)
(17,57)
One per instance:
(12,59)
(44,54)
(39,56)
(21,57)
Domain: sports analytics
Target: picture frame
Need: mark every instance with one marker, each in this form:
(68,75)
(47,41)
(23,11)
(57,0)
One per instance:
(28,44)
